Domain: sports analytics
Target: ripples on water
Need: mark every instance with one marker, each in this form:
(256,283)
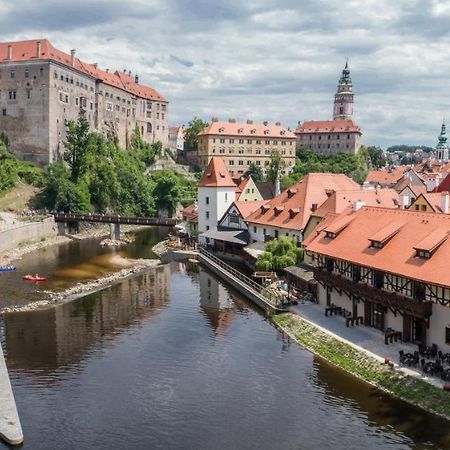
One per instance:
(172,359)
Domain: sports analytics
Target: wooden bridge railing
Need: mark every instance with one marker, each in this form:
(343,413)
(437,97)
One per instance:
(100,218)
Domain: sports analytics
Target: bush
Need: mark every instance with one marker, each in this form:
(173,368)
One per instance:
(279,253)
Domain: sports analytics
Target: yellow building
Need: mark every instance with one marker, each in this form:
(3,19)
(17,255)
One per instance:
(431,202)
(240,144)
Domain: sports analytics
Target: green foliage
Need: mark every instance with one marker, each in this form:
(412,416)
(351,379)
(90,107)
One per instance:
(279,253)
(354,166)
(144,151)
(408,148)
(255,172)
(377,158)
(77,147)
(195,126)
(275,165)
(12,170)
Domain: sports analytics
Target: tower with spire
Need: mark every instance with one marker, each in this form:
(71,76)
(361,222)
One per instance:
(442,147)
(343,99)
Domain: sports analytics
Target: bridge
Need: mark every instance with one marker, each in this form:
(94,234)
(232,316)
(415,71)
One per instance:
(114,220)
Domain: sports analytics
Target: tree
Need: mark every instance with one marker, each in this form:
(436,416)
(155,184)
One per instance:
(275,165)
(255,172)
(195,126)
(278,254)
(377,157)
(77,144)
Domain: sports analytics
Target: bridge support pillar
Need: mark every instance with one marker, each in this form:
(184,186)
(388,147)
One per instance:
(115,231)
(62,228)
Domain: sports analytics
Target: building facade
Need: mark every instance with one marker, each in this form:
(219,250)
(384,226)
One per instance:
(41,88)
(340,135)
(388,267)
(240,144)
(442,147)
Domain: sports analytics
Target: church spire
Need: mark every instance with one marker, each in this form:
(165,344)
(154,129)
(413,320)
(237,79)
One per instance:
(441,147)
(343,99)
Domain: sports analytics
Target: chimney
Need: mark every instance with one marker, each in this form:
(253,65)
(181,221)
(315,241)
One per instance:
(129,73)
(9,52)
(38,49)
(214,119)
(445,202)
(95,65)
(72,57)
(277,187)
(136,79)
(404,201)
(277,124)
(358,204)
(107,71)
(231,120)
(265,123)
(249,122)
(124,70)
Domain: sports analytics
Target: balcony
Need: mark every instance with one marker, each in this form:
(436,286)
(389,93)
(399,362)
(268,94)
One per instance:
(392,300)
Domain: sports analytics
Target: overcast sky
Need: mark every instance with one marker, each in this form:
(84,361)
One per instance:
(275,60)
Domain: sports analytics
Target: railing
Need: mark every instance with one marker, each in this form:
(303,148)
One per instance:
(388,299)
(72,217)
(270,296)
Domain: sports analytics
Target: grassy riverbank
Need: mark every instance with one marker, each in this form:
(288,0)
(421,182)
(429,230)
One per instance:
(350,359)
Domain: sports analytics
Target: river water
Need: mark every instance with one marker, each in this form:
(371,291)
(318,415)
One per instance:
(173,359)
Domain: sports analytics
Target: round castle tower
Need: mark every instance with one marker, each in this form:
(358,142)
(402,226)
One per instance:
(343,99)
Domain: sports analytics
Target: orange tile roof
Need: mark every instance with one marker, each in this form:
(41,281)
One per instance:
(26,51)
(433,199)
(398,255)
(340,200)
(216,175)
(247,130)
(247,208)
(328,126)
(312,189)
(324,222)
(386,176)
(444,185)
(190,213)
(433,240)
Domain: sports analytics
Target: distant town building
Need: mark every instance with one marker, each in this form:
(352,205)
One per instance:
(442,147)
(240,144)
(340,135)
(42,88)
(176,139)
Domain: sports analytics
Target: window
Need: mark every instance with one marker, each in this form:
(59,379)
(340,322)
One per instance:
(55,75)
(249,141)
(27,73)
(234,218)
(447,335)
(222,141)
(109,106)
(28,93)
(254,230)
(12,95)
(63,97)
(41,71)
(4,112)
(226,197)
(207,215)
(231,141)
(149,128)
(207,228)
(207,200)
(276,234)
(241,162)
(12,74)
(423,207)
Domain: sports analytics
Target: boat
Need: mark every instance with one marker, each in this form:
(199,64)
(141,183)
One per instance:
(7,268)
(33,278)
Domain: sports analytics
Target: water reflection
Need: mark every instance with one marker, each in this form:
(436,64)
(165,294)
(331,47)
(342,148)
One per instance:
(51,339)
(382,411)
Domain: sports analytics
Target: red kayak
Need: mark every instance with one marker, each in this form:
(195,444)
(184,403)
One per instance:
(33,278)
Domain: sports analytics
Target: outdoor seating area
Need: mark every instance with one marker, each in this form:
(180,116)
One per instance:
(350,320)
(430,359)
(391,335)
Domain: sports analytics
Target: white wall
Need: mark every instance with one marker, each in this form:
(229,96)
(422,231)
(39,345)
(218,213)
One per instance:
(220,199)
(257,232)
(439,320)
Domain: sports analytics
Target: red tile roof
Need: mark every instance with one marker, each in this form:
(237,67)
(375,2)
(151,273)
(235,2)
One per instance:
(247,208)
(340,200)
(398,255)
(434,199)
(26,51)
(444,186)
(313,189)
(216,175)
(386,176)
(328,126)
(247,130)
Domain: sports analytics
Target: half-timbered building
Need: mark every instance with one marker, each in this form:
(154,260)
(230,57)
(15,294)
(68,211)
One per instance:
(389,267)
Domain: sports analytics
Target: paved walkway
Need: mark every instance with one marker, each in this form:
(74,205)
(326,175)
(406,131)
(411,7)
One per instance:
(366,339)
(10,428)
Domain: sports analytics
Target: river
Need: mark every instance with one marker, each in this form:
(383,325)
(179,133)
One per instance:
(173,359)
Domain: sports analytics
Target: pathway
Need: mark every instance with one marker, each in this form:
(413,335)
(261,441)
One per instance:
(366,339)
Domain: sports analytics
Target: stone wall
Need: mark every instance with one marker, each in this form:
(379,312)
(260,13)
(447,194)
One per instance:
(34,231)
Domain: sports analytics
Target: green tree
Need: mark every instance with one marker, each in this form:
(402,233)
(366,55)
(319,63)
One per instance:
(377,158)
(275,165)
(195,126)
(278,254)
(77,147)
(255,172)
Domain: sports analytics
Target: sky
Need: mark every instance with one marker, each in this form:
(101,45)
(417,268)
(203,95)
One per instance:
(274,60)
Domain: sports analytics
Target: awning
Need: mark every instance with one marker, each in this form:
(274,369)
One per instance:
(233,236)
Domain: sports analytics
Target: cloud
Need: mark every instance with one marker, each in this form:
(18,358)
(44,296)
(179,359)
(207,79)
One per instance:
(276,60)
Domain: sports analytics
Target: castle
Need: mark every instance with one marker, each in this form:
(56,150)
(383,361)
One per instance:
(41,88)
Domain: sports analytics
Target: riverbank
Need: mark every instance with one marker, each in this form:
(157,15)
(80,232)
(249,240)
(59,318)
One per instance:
(87,233)
(383,376)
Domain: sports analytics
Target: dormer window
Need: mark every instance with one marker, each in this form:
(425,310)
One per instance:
(282,132)
(278,209)
(266,131)
(241,130)
(291,192)
(221,130)
(293,212)
(264,209)
(376,244)
(253,131)
(330,234)
(425,254)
